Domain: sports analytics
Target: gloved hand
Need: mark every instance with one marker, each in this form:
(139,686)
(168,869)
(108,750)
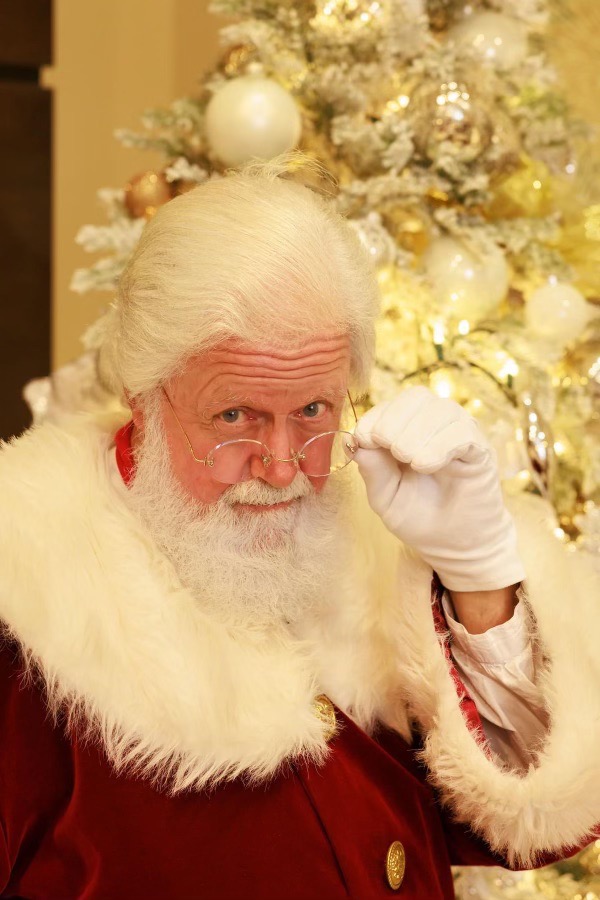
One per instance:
(431,477)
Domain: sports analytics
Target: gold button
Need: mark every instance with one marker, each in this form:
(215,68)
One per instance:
(395,865)
(325,711)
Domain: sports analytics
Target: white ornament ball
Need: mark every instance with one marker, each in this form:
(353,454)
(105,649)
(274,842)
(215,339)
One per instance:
(557,312)
(497,39)
(469,287)
(251,117)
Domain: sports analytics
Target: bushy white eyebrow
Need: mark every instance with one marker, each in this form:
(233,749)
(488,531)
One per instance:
(232,401)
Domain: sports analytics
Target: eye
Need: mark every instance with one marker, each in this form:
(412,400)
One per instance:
(313,410)
(232,416)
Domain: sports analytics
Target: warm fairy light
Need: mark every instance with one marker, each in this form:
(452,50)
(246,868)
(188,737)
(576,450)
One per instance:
(559,448)
(509,370)
(560,533)
(442,385)
(439,332)
(398,103)
(464,326)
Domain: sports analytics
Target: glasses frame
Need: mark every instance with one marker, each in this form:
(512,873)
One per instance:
(268,457)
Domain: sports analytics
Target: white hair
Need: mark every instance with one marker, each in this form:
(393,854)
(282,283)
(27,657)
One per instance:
(251,256)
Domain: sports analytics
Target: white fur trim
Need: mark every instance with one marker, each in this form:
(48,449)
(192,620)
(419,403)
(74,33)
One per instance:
(122,645)
(187,701)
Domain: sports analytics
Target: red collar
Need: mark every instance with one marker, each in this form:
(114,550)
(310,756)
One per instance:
(124,452)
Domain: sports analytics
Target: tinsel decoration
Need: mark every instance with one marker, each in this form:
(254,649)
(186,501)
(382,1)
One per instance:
(539,444)
(524,192)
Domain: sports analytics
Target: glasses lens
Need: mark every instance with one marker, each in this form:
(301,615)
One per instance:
(328,453)
(231,462)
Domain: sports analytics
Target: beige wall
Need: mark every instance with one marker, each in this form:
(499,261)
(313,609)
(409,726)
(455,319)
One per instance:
(113,59)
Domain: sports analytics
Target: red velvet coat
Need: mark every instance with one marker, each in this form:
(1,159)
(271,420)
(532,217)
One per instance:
(73,829)
(126,650)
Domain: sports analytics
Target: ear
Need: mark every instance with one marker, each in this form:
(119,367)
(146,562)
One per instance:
(136,412)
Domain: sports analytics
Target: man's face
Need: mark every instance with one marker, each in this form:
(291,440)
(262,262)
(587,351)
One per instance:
(243,391)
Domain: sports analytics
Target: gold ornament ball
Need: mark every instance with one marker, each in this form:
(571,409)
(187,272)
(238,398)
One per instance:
(354,15)
(448,114)
(145,193)
(443,13)
(235,59)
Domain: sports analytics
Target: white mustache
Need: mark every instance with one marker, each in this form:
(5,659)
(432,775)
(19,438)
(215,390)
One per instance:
(259,493)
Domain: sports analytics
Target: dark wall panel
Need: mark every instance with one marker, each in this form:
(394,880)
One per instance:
(25,186)
(25,112)
(25,32)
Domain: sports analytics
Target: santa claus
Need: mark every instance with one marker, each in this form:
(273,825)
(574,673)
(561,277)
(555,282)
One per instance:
(253,648)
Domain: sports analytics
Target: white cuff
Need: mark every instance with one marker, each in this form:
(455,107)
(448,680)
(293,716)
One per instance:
(496,646)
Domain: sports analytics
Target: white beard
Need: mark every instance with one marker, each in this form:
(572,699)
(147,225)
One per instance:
(246,568)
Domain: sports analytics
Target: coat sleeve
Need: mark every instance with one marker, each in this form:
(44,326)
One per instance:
(466,848)
(553,807)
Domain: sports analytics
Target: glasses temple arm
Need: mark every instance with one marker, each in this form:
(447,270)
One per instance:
(352,405)
(187,440)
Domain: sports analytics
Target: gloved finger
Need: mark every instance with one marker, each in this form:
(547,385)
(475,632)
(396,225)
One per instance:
(428,421)
(364,429)
(381,474)
(383,424)
(462,440)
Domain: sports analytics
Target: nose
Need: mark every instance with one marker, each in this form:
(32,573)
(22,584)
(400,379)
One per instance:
(277,473)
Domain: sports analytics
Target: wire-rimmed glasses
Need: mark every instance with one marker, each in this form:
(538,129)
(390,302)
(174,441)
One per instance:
(320,456)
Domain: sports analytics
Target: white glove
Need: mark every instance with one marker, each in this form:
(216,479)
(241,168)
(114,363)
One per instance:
(431,477)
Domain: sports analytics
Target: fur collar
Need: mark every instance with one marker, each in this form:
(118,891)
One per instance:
(188,701)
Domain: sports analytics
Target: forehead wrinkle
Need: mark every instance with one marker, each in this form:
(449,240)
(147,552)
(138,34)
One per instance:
(266,377)
(237,376)
(301,359)
(307,367)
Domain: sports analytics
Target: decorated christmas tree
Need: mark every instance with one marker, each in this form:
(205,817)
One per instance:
(443,137)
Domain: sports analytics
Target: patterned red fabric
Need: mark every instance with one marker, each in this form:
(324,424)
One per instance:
(467,704)
(124,452)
